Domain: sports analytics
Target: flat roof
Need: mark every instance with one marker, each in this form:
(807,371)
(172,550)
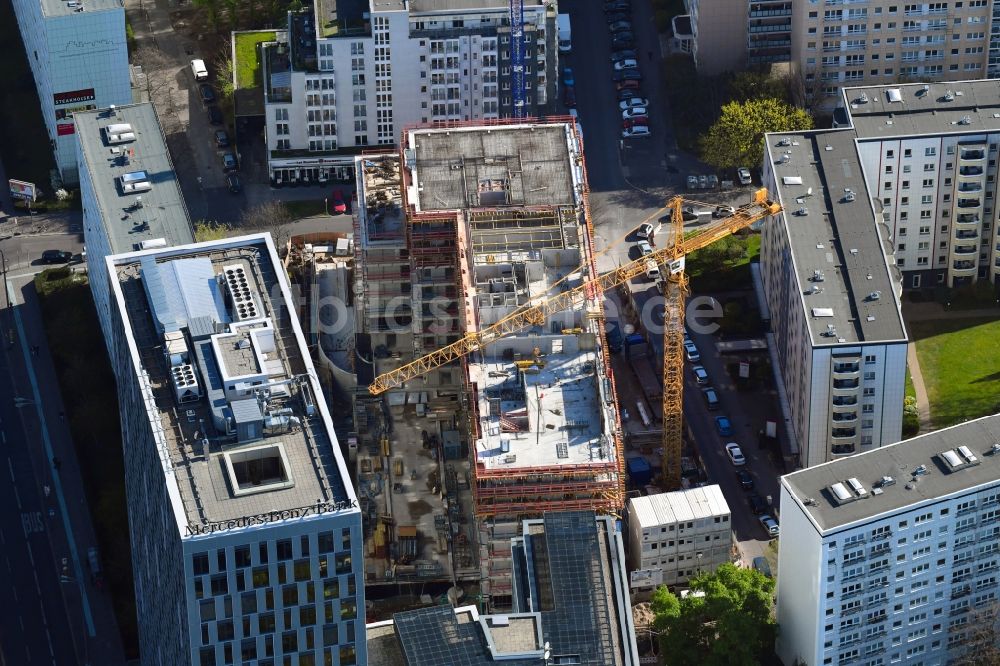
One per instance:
(678,506)
(924,108)
(422,6)
(163,213)
(833,231)
(52,8)
(579,607)
(239,371)
(490,166)
(811,488)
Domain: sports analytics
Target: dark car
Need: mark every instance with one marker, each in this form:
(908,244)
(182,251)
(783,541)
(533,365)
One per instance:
(569,97)
(56,257)
(623,40)
(221,139)
(229,162)
(630,74)
(620,27)
(614,17)
(757,504)
(233,181)
(207,94)
(616,6)
(746,481)
(627,93)
(214,115)
(628,85)
(624,54)
(762,565)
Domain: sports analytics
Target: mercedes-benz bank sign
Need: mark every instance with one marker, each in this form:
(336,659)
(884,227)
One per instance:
(270,517)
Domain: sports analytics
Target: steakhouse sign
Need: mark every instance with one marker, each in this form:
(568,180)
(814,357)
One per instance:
(270,517)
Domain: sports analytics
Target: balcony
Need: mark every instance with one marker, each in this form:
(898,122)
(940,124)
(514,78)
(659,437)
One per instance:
(967,218)
(839,417)
(765,13)
(846,368)
(843,433)
(970,171)
(964,249)
(974,155)
(965,266)
(970,203)
(847,400)
(970,187)
(968,234)
(845,384)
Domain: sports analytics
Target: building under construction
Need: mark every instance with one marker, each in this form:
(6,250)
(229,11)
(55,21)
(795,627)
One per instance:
(465,226)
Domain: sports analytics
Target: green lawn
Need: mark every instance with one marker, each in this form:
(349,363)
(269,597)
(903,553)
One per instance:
(247,64)
(960,362)
(305,208)
(724,265)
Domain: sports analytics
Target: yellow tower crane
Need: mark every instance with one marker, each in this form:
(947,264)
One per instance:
(672,255)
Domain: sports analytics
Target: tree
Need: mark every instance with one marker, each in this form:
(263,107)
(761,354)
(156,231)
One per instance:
(270,216)
(160,75)
(736,138)
(726,621)
(758,85)
(206,230)
(977,643)
(224,73)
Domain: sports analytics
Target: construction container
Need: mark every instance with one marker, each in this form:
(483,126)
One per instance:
(640,472)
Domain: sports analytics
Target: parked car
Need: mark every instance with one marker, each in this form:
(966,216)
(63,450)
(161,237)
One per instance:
(624,54)
(207,94)
(214,115)
(628,85)
(769,524)
(634,112)
(745,479)
(626,75)
(626,63)
(735,453)
(569,97)
(743,174)
(233,181)
(723,211)
(633,102)
(692,182)
(337,203)
(691,351)
(615,17)
(711,398)
(757,504)
(616,6)
(229,162)
(56,257)
(221,139)
(761,564)
(700,374)
(623,40)
(628,93)
(644,247)
(635,132)
(94,563)
(645,230)
(635,122)
(567,76)
(621,27)
(724,426)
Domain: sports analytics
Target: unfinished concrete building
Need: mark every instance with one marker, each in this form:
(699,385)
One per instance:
(467,225)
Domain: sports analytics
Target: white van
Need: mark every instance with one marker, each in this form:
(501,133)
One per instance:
(199,70)
(652,270)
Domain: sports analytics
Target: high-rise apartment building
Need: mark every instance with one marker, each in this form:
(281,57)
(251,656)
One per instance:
(842,43)
(350,75)
(245,529)
(837,334)
(929,155)
(79,59)
(467,224)
(887,556)
(729,35)
(675,536)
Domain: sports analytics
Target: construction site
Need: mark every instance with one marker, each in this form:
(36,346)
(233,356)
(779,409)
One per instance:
(466,227)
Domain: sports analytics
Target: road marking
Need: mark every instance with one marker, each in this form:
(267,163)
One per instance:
(32,522)
(13,588)
(57,481)
(17,496)
(3,436)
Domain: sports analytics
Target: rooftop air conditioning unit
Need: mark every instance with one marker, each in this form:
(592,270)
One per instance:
(185,383)
(241,296)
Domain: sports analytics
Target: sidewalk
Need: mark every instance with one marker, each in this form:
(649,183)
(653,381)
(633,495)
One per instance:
(94,624)
(923,403)
(931,311)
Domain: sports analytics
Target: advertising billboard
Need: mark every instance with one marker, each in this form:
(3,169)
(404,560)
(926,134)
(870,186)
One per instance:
(20,189)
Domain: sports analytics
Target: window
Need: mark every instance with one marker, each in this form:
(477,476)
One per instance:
(284,548)
(199,563)
(242,556)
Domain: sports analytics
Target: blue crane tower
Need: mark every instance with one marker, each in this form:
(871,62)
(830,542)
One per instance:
(517,57)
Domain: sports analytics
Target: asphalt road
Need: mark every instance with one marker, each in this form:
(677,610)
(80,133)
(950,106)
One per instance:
(50,610)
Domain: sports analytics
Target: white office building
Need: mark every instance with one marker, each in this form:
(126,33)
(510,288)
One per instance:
(837,335)
(246,533)
(675,536)
(120,153)
(885,557)
(78,56)
(929,155)
(345,76)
